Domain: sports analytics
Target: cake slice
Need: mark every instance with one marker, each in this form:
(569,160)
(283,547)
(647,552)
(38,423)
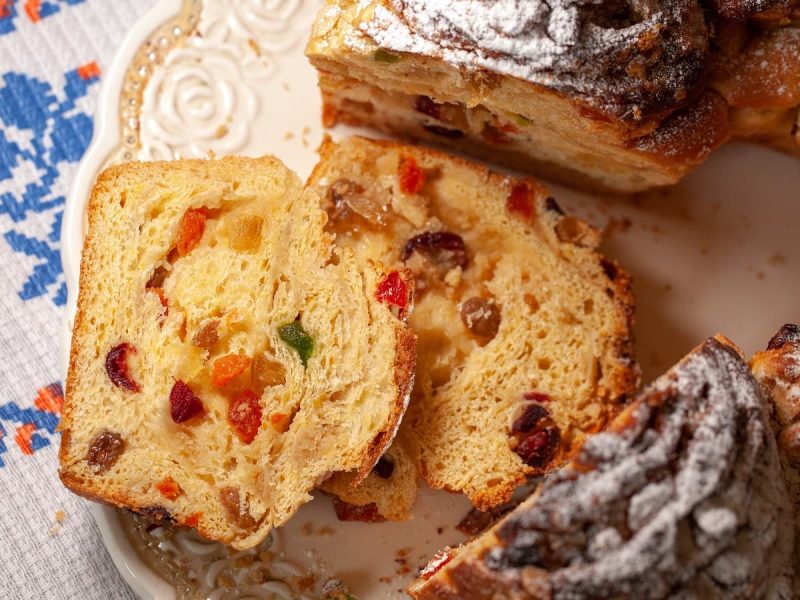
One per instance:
(683,497)
(225,357)
(525,331)
(603,95)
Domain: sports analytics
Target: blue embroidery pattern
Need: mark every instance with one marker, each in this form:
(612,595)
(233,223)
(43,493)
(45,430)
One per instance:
(35,11)
(36,426)
(39,132)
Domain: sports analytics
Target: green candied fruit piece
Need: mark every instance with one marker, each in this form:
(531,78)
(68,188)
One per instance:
(522,120)
(293,335)
(383,56)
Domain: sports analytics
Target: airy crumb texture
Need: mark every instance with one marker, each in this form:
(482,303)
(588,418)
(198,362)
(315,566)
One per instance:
(683,497)
(524,329)
(225,360)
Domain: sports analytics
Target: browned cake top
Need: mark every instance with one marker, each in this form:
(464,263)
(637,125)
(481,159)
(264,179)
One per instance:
(629,58)
(683,497)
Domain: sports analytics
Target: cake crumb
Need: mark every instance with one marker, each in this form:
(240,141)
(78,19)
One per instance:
(254,46)
(60,516)
(288,136)
(776,259)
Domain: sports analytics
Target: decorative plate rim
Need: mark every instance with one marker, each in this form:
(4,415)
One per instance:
(106,137)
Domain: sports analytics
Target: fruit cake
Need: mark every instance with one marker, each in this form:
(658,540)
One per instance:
(606,95)
(226,358)
(524,330)
(682,497)
(599,94)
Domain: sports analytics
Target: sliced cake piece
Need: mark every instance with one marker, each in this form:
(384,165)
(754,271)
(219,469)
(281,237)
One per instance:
(225,358)
(683,497)
(524,329)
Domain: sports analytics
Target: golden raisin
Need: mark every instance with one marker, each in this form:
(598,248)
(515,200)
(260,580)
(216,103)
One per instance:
(266,372)
(237,511)
(228,367)
(280,422)
(207,335)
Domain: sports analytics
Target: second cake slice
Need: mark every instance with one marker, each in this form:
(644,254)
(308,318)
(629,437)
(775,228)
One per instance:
(225,359)
(525,341)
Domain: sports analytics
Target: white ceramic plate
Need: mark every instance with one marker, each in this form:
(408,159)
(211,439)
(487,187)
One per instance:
(718,253)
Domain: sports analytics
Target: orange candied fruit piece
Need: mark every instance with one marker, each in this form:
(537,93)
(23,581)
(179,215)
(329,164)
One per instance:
(412,178)
(193,520)
(228,367)
(168,488)
(520,201)
(280,422)
(193,224)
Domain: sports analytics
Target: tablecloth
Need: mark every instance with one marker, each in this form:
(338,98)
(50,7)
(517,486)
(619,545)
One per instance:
(53,54)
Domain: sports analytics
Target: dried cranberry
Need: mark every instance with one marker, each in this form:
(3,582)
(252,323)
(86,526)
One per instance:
(439,560)
(450,134)
(531,415)
(183,403)
(538,448)
(481,317)
(117,367)
(520,200)
(384,467)
(536,397)
(445,248)
(350,512)
(392,290)
(104,450)
(426,106)
(244,414)
(412,177)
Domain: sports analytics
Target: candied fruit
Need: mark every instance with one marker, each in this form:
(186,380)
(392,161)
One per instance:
(392,290)
(169,488)
(412,177)
(227,368)
(192,226)
(520,201)
(244,414)
(183,403)
(294,336)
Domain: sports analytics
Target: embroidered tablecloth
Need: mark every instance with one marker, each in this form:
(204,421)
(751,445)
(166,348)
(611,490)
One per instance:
(52,56)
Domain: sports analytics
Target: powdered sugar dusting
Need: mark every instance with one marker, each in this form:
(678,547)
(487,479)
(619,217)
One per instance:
(687,501)
(570,45)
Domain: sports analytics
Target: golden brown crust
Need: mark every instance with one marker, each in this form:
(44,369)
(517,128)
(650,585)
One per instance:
(404,369)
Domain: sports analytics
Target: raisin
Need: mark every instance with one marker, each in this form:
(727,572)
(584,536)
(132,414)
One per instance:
(117,367)
(788,334)
(426,106)
(553,206)
(384,467)
(105,450)
(266,373)
(538,448)
(520,201)
(609,268)
(347,196)
(244,414)
(183,403)
(350,512)
(294,336)
(169,488)
(475,522)
(237,511)
(412,178)
(191,230)
(207,335)
(481,317)
(393,290)
(450,134)
(227,368)
(531,415)
(446,249)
